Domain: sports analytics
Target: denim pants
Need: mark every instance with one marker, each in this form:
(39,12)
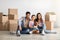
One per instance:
(25,31)
(42,28)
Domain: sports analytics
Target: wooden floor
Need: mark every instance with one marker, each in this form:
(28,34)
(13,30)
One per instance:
(5,35)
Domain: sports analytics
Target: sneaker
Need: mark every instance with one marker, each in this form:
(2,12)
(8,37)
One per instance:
(18,33)
(30,32)
(43,33)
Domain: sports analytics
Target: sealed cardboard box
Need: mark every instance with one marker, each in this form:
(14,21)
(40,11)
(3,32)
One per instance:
(50,16)
(12,11)
(5,26)
(1,14)
(4,18)
(1,26)
(12,17)
(49,25)
(15,17)
(13,24)
(5,23)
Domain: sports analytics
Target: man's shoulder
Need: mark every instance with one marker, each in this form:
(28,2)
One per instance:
(22,18)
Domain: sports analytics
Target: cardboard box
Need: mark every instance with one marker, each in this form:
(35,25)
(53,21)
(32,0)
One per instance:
(12,17)
(5,26)
(1,26)
(4,18)
(12,11)
(49,25)
(13,24)
(15,17)
(50,16)
(5,23)
(1,14)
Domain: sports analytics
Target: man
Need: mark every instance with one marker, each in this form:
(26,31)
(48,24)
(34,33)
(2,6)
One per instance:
(24,24)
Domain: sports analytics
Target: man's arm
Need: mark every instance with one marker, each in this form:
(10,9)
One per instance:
(20,28)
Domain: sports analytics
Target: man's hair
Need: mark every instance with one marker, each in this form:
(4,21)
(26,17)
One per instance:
(28,13)
(32,15)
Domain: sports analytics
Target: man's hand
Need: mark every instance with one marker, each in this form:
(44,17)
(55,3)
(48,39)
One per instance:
(20,28)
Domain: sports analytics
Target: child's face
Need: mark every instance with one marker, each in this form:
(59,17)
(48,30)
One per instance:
(35,23)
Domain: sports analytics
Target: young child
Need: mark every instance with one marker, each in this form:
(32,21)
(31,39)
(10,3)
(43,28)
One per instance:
(35,29)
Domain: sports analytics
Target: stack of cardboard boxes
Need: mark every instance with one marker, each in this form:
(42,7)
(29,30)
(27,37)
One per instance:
(50,19)
(13,19)
(13,24)
(9,22)
(3,22)
(12,14)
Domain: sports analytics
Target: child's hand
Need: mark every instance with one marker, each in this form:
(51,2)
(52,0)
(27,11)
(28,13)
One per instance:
(35,26)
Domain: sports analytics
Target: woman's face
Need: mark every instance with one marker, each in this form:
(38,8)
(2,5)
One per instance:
(39,16)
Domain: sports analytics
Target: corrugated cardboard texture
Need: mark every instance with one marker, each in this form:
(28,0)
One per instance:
(12,11)
(1,26)
(1,14)
(13,24)
(10,17)
(49,25)
(50,16)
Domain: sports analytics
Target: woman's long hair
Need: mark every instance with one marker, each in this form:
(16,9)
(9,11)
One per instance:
(41,20)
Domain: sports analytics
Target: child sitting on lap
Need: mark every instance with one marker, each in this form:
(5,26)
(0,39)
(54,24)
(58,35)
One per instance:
(35,29)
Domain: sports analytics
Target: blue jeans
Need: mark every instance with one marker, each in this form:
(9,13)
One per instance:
(25,31)
(41,28)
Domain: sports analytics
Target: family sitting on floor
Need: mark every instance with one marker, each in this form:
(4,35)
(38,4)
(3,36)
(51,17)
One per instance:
(35,25)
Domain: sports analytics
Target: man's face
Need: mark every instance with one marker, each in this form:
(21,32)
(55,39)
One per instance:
(28,15)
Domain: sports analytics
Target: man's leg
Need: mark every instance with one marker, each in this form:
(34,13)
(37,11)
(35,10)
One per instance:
(25,31)
(18,31)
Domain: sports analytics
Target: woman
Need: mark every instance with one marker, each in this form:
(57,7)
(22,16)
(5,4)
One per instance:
(40,23)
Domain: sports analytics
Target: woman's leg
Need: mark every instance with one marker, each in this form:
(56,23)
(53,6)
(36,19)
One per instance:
(40,29)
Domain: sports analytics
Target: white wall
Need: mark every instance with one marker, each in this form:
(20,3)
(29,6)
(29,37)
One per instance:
(34,6)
